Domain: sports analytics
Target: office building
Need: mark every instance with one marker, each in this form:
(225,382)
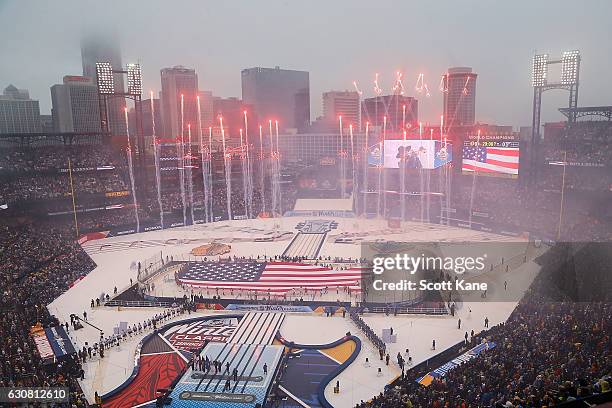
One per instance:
(398,109)
(232,111)
(46,123)
(314,148)
(278,94)
(176,82)
(105,48)
(147,117)
(75,105)
(207,117)
(459,97)
(18,113)
(147,121)
(342,103)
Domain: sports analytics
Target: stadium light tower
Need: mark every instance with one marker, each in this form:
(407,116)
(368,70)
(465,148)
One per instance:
(570,73)
(539,70)
(104,74)
(106,90)
(134,79)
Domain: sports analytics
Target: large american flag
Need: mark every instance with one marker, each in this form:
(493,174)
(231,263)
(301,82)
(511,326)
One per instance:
(277,277)
(491,159)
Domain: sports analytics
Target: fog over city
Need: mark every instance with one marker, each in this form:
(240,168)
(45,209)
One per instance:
(338,42)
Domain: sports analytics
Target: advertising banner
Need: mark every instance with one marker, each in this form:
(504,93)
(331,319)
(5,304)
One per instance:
(441,371)
(59,341)
(42,343)
(269,308)
(320,213)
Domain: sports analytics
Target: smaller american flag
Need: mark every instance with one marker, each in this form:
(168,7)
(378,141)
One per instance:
(277,277)
(504,160)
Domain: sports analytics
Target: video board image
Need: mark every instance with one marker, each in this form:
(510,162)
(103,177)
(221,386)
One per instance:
(498,158)
(416,154)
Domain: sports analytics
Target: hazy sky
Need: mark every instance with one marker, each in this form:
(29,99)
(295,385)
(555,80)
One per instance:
(338,41)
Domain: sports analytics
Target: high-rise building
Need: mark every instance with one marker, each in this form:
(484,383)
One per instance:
(342,103)
(147,117)
(18,113)
(207,117)
(459,97)
(176,82)
(232,111)
(75,105)
(46,123)
(398,109)
(278,94)
(105,48)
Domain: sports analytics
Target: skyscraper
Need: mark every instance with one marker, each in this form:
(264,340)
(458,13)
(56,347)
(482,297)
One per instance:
(147,117)
(459,97)
(177,81)
(232,111)
(278,94)
(397,109)
(100,47)
(75,105)
(341,103)
(207,117)
(18,113)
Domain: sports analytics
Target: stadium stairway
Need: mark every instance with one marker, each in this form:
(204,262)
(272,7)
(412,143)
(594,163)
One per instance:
(305,245)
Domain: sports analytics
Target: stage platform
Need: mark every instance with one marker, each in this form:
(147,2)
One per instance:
(198,389)
(250,352)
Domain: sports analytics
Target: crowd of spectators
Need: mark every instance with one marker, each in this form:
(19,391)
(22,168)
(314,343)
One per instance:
(577,179)
(38,264)
(505,203)
(36,180)
(547,353)
(586,143)
(28,187)
(27,177)
(54,158)
(41,173)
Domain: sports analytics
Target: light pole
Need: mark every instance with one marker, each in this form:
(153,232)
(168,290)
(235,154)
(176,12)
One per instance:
(564,164)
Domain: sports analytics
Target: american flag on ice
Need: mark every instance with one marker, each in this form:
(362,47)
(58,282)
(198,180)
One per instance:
(277,277)
(491,159)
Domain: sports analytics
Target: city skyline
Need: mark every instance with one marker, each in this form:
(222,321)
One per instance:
(334,58)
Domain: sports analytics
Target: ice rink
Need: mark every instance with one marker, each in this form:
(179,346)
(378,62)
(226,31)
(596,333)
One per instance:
(115,258)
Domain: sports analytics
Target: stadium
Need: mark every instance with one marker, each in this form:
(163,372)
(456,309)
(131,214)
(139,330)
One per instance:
(131,317)
(239,264)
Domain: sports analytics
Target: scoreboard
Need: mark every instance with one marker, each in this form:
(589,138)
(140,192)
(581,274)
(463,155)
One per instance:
(492,143)
(491,155)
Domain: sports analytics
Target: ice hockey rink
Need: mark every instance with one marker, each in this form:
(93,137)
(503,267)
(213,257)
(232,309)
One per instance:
(116,258)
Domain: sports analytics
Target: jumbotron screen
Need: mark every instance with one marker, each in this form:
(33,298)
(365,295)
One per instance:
(414,154)
(497,158)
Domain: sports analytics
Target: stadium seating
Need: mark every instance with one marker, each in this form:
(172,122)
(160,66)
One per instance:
(550,352)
